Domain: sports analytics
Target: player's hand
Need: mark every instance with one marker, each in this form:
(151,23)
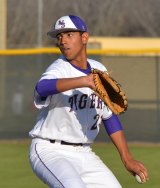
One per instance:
(90,82)
(136,167)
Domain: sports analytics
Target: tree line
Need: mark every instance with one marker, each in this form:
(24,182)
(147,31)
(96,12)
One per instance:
(28,21)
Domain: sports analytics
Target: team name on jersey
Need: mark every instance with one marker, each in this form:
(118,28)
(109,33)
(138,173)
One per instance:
(81,101)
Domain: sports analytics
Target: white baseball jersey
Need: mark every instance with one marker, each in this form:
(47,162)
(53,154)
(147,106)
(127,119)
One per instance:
(74,115)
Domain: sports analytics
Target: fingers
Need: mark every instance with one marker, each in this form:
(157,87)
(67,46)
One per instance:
(139,179)
(90,81)
(142,173)
(137,168)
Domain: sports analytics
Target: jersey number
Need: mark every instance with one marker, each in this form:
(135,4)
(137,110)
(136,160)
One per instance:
(94,126)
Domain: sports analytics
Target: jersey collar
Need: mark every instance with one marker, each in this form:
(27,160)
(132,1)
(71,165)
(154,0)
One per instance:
(85,71)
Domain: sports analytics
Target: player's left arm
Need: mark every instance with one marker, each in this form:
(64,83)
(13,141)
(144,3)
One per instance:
(132,165)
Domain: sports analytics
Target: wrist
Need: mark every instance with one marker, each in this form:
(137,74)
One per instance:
(89,81)
(126,158)
(85,81)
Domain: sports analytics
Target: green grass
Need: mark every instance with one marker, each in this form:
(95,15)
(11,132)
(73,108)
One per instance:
(15,170)
(148,154)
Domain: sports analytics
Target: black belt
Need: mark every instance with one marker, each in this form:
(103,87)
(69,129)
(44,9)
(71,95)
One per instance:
(67,143)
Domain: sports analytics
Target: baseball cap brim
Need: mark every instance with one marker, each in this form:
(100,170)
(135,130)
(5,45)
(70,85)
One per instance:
(54,33)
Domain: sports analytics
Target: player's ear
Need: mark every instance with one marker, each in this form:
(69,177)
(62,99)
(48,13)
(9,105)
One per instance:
(85,37)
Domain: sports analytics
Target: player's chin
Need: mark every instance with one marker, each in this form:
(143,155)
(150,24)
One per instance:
(68,56)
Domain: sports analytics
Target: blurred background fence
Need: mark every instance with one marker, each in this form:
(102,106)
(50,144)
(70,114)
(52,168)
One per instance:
(139,75)
(129,47)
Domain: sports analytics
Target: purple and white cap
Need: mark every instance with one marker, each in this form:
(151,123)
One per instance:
(67,23)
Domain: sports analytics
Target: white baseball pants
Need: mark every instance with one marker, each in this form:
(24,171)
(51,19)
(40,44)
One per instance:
(63,166)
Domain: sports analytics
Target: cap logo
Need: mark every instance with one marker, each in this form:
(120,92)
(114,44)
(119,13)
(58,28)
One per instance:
(61,23)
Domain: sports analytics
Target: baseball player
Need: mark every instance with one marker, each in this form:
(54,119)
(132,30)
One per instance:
(70,118)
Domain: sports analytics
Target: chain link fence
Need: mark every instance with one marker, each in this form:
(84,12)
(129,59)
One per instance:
(139,76)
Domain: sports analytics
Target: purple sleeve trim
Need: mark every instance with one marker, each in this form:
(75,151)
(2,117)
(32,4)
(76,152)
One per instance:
(112,124)
(46,87)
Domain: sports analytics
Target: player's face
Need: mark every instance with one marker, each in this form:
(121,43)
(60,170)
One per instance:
(73,45)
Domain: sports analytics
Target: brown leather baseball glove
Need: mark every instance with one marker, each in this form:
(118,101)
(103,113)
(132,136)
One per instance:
(109,91)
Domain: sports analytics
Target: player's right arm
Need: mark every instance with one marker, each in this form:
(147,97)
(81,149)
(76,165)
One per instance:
(78,82)
(53,86)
